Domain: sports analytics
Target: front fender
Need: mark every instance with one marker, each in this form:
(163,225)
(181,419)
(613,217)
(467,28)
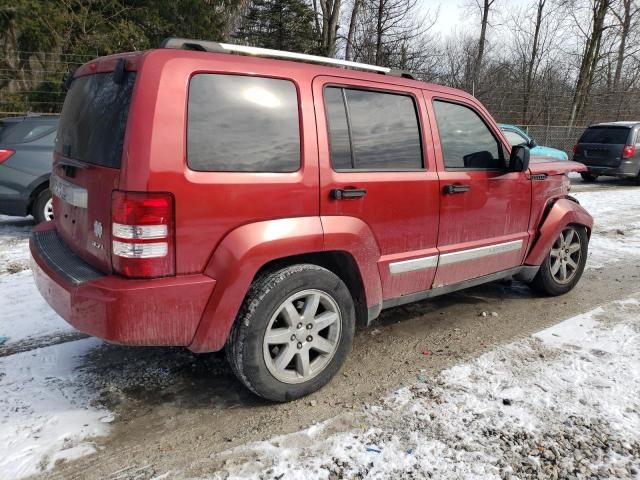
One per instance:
(235,263)
(562,213)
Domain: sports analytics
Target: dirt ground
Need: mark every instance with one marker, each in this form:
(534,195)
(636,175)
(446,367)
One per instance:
(176,410)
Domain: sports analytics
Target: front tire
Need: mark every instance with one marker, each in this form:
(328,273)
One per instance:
(293,333)
(564,264)
(588,177)
(42,209)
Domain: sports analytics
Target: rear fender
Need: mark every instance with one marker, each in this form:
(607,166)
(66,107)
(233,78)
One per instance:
(562,213)
(235,263)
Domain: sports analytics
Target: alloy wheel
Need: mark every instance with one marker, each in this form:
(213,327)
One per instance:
(565,256)
(302,336)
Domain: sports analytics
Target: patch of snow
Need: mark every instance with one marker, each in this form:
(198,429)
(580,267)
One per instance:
(23,312)
(45,410)
(14,243)
(563,402)
(616,229)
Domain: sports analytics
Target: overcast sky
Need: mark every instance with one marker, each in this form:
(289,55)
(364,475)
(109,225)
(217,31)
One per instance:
(454,14)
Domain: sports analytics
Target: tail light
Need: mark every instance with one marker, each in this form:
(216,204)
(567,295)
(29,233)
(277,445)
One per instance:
(575,150)
(143,237)
(5,153)
(628,151)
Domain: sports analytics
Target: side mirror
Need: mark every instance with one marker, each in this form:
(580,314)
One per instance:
(532,143)
(519,159)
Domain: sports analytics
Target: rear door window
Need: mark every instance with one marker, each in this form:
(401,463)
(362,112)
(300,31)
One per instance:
(242,124)
(608,135)
(372,130)
(94,119)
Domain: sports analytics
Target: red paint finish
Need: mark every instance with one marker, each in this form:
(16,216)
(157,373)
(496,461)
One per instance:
(163,311)
(229,225)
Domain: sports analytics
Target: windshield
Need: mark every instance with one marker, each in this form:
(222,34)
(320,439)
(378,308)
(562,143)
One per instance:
(608,135)
(94,119)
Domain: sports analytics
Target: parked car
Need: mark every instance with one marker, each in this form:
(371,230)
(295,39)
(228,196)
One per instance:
(611,149)
(211,199)
(516,136)
(26,149)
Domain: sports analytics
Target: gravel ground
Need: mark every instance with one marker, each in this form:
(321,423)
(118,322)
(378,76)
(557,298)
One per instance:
(175,414)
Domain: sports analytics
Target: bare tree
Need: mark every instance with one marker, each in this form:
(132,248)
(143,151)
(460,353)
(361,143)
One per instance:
(352,29)
(329,30)
(590,57)
(485,8)
(625,19)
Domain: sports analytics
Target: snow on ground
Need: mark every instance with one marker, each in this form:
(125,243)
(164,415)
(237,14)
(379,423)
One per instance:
(45,409)
(14,243)
(616,229)
(564,402)
(24,314)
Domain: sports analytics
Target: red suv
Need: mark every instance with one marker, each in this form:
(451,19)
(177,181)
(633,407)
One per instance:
(218,196)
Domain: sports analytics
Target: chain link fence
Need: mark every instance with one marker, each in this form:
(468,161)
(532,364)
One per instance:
(556,136)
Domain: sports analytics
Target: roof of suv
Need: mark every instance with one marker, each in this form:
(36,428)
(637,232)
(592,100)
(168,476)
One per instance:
(108,63)
(626,123)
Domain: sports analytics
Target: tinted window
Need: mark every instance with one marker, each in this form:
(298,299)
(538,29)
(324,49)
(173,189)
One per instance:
(611,135)
(94,119)
(243,124)
(382,127)
(465,139)
(515,138)
(24,131)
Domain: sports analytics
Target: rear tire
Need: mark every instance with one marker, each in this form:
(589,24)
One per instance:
(564,264)
(588,177)
(293,332)
(42,209)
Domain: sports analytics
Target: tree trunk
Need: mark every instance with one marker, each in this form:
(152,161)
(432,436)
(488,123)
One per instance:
(528,82)
(330,17)
(481,42)
(352,30)
(624,33)
(589,60)
(379,31)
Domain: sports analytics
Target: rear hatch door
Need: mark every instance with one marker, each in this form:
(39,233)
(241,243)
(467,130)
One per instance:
(87,160)
(602,145)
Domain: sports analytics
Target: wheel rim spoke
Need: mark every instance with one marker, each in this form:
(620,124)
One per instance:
(303,363)
(563,270)
(284,357)
(311,307)
(278,336)
(555,252)
(569,236)
(324,320)
(555,267)
(573,248)
(572,264)
(322,345)
(290,314)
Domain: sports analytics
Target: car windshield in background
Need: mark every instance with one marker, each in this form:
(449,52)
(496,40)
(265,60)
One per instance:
(609,135)
(94,118)
(14,132)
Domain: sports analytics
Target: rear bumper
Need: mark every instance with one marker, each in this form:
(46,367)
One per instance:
(163,311)
(626,169)
(14,205)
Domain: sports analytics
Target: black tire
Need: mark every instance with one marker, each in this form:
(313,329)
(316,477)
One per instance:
(544,282)
(39,208)
(244,347)
(588,177)
(637,180)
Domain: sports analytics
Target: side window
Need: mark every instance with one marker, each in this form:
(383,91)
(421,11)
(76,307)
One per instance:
(465,139)
(242,124)
(372,130)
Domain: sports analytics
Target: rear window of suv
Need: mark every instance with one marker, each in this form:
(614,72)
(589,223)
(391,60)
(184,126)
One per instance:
(16,132)
(608,135)
(242,124)
(94,119)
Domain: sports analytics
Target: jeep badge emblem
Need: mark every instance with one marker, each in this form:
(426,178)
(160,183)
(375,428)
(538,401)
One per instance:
(97,229)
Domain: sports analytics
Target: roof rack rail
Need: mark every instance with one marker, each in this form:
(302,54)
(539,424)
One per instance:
(217,47)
